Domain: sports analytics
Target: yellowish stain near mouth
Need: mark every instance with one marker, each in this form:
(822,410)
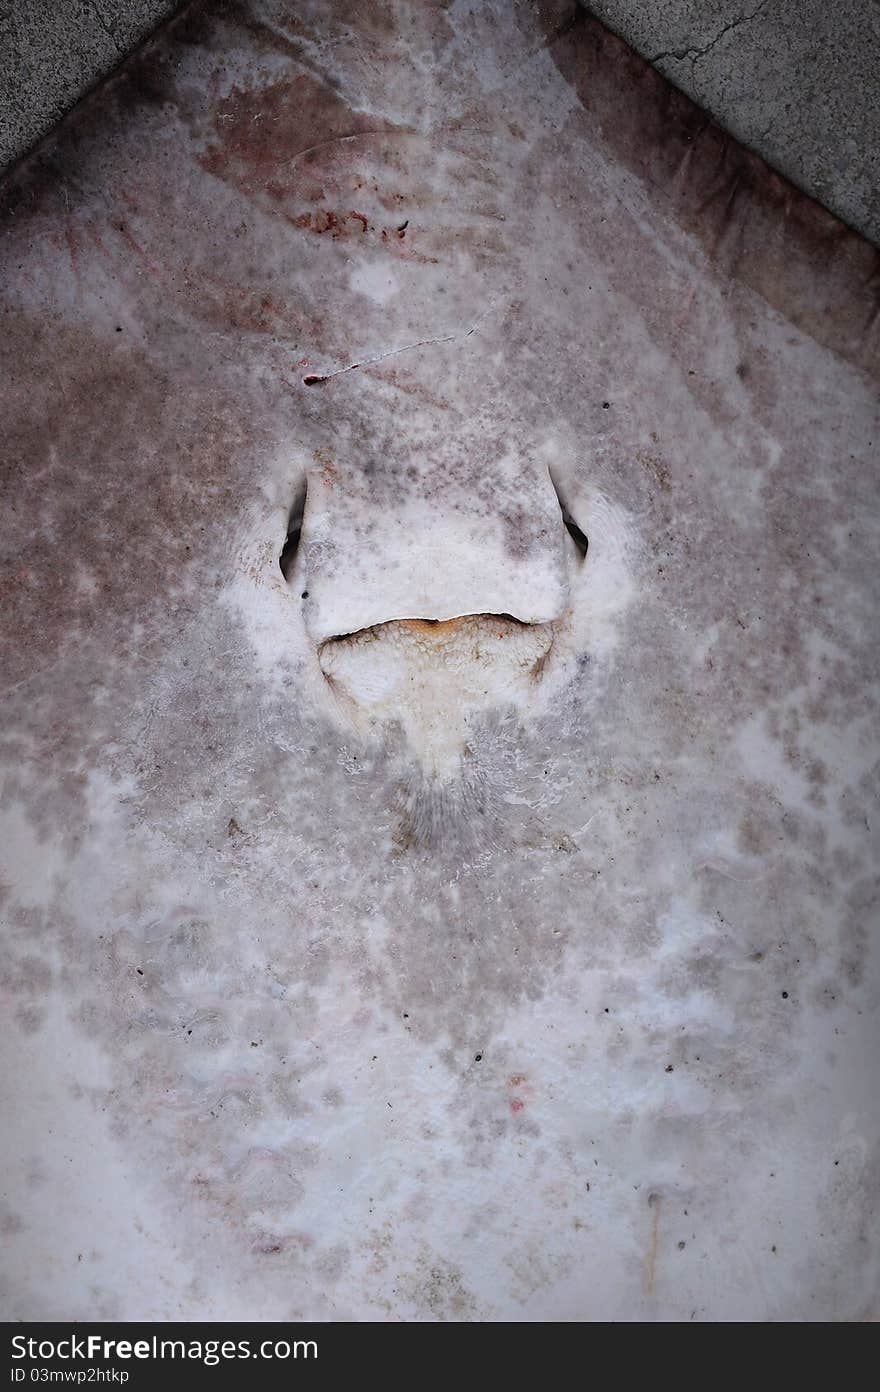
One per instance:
(434,678)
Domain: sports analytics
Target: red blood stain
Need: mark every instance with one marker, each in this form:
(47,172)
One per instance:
(337,224)
(517,1105)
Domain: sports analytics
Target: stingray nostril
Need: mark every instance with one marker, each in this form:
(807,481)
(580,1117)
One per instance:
(294,529)
(578,536)
(288,551)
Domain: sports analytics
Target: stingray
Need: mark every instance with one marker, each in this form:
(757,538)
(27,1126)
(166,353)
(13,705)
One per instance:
(440,747)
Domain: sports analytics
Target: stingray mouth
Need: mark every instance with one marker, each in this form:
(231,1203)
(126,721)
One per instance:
(434,674)
(463,650)
(435,631)
(433,678)
(428,683)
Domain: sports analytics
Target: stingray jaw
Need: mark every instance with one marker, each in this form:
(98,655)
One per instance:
(434,678)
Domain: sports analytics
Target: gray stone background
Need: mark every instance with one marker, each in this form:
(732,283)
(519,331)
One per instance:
(54,51)
(796,80)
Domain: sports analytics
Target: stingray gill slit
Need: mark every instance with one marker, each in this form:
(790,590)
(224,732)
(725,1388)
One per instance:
(578,536)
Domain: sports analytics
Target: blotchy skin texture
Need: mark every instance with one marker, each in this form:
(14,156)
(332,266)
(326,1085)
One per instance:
(581,1026)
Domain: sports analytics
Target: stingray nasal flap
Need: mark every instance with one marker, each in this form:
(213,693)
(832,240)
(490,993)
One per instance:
(431,550)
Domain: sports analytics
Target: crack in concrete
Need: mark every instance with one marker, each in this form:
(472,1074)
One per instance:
(694,54)
(95,9)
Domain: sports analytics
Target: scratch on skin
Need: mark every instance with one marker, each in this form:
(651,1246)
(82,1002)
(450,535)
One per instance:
(350,136)
(314,379)
(651,1254)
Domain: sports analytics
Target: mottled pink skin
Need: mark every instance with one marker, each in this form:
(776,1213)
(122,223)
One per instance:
(321,1065)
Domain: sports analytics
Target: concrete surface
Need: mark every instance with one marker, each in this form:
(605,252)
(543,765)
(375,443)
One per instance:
(495,970)
(798,81)
(53,51)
